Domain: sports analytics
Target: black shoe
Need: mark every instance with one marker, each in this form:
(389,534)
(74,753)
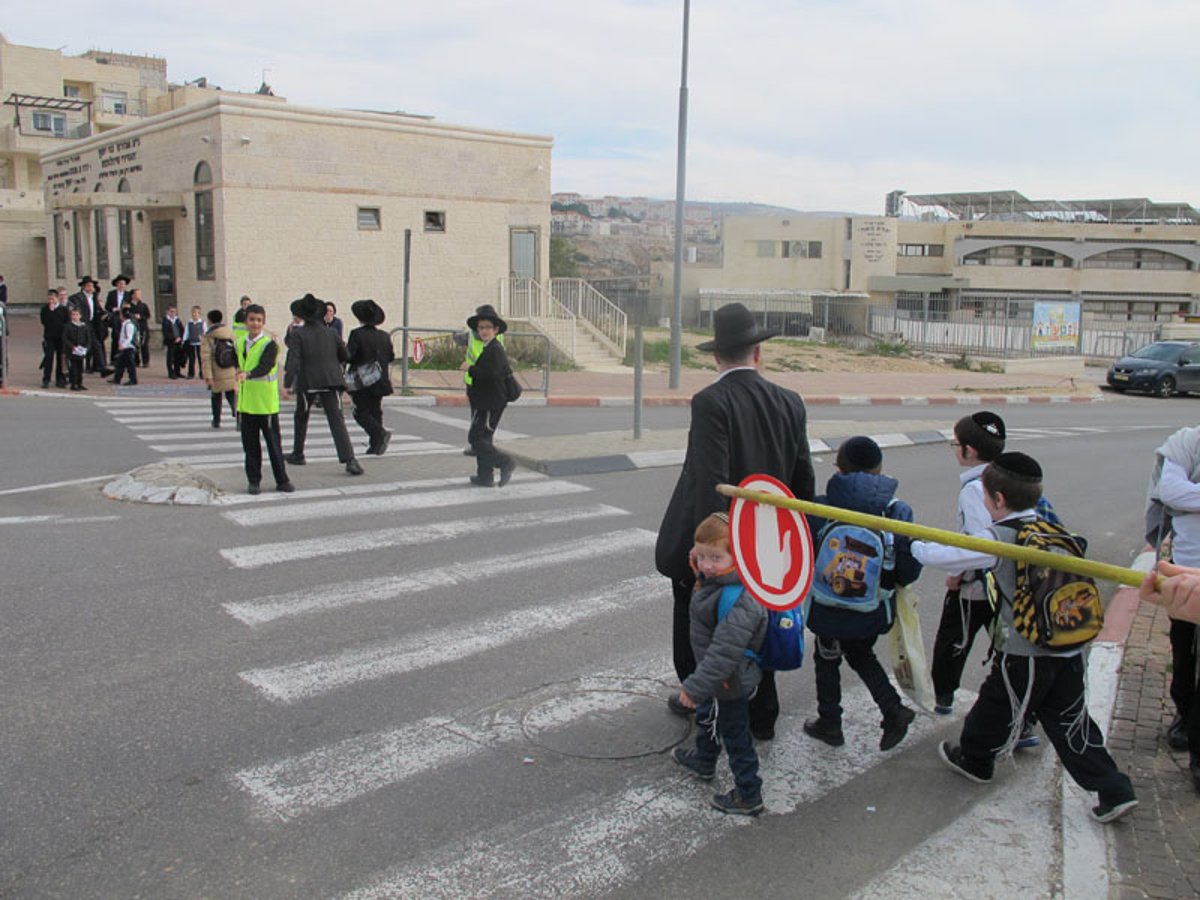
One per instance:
(506,472)
(1177,735)
(253,488)
(111,381)
(353,468)
(675,705)
(295,459)
(480,481)
(895,726)
(943,704)
(470,451)
(45,384)
(825,730)
(1105,812)
(691,761)
(60,384)
(951,755)
(735,805)
(104,373)
(83,387)
(285,487)
(216,424)
(383,444)
(77,387)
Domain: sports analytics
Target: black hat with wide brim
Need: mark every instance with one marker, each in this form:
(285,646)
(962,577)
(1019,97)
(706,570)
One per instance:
(87,279)
(368,312)
(734,327)
(308,307)
(487,312)
(122,277)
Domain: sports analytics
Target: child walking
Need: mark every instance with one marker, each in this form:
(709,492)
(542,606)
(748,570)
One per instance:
(1025,679)
(859,485)
(725,677)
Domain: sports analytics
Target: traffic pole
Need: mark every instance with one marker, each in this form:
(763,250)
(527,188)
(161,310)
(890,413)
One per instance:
(1073,564)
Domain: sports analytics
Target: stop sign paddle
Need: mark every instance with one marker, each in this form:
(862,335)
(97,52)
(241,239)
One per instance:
(771,547)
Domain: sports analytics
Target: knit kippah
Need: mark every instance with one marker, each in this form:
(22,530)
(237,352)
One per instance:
(860,454)
(1019,465)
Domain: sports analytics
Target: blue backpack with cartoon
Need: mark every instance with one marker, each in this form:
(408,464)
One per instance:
(783,644)
(850,564)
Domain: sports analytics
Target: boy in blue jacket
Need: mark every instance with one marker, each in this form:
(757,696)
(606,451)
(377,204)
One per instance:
(858,485)
(725,677)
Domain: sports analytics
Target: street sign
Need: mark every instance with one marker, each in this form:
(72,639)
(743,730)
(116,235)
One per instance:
(771,547)
(418,350)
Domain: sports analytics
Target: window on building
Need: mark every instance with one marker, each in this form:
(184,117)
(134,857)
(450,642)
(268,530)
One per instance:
(1017,255)
(800,249)
(71,90)
(125,232)
(115,102)
(1137,258)
(60,257)
(206,263)
(761,249)
(435,220)
(920,249)
(78,238)
(51,123)
(369,218)
(101,229)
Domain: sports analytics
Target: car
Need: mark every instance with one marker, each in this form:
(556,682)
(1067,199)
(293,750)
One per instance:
(1163,368)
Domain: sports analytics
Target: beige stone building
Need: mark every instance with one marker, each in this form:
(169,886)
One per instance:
(236,194)
(1129,259)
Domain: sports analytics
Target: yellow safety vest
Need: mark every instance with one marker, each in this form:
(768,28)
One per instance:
(474,348)
(258,396)
(237,328)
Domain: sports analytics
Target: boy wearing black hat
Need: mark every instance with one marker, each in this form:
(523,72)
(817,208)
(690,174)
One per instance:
(978,439)
(858,485)
(488,398)
(1025,679)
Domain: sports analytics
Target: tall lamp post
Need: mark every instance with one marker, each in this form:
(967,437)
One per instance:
(680,180)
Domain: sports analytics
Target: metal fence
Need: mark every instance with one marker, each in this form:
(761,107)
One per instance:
(450,378)
(967,325)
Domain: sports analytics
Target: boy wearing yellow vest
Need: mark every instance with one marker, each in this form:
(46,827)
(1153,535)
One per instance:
(258,400)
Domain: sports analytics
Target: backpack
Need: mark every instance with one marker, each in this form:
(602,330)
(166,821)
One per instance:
(1053,609)
(783,644)
(1046,512)
(851,564)
(224,354)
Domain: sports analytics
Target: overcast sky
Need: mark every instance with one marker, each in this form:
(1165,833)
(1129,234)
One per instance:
(812,104)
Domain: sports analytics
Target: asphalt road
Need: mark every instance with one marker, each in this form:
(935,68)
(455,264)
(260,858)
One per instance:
(250,701)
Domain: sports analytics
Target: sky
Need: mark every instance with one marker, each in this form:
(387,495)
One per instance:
(808,104)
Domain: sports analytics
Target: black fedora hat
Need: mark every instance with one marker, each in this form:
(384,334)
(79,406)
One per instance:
(487,312)
(308,307)
(368,312)
(87,279)
(735,327)
(122,277)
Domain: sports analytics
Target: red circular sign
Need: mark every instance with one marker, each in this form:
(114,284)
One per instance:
(418,350)
(771,546)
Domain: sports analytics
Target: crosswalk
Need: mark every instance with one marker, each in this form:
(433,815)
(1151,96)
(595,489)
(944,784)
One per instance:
(181,431)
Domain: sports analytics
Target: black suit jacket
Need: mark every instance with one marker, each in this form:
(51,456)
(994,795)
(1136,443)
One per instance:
(112,304)
(93,319)
(172,331)
(741,425)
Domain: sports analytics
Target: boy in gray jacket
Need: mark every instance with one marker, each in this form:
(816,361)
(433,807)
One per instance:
(725,677)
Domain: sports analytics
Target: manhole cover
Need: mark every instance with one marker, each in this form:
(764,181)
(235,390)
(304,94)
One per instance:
(604,724)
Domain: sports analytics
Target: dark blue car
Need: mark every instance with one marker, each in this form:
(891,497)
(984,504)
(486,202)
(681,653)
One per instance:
(1163,368)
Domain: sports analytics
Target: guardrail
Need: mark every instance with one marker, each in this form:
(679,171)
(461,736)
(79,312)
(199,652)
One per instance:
(452,379)
(606,320)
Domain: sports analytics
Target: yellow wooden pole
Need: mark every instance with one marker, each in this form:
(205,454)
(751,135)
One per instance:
(1072,564)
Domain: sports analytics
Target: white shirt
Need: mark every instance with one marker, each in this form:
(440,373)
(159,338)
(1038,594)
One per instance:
(956,560)
(1180,493)
(973,515)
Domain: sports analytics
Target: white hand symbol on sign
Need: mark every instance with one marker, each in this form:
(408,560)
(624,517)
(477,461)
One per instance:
(774,549)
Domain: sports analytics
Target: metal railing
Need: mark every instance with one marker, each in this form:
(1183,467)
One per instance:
(452,379)
(605,319)
(527,299)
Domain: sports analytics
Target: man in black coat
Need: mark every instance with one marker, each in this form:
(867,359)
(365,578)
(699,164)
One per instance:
(314,371)
(116,298)
(92,315)
(741,425)
(488,397)
(54,320)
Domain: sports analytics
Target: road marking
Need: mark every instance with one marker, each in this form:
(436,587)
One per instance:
(55,519)
(374,590)
(285,551)
(57,484)
(625,838)
(297,512)
(358,489)
(208,433)
(453,422)
(216,459)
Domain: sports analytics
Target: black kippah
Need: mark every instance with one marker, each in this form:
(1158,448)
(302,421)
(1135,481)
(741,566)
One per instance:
(1019,465)
(991,423)
(982,430)
(860,454)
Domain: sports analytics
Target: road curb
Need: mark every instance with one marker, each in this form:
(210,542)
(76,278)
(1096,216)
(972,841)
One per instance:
(809,400)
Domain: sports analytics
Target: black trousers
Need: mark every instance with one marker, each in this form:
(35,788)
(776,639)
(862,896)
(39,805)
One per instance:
(145,348)
(1184,675)
(331,402)
(254,426)
(174,353)
(125,362)
(481,436)
(764,705)
(95,357)
(230,396)
(52,359)
(75,370)
(368,413)
(1055,688)
(961,621)
(191,355)
(860,656)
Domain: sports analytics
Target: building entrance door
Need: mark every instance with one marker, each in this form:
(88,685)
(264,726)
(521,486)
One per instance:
(523,253)
(162,242)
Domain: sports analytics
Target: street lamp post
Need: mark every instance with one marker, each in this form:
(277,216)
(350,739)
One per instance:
(680,169)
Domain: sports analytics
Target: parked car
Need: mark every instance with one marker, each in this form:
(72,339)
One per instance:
(1163,368)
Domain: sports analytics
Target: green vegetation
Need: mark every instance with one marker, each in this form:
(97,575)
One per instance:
(660,352)
(891,348)
(564,259)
